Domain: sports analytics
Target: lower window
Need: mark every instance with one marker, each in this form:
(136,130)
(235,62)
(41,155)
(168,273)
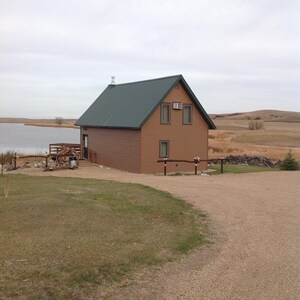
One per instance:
(164,148)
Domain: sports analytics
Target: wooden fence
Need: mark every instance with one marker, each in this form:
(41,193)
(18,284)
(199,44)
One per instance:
(15,157)
(60,152)
(195,161)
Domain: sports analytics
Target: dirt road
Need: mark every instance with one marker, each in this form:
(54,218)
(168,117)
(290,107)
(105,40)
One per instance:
(255,220)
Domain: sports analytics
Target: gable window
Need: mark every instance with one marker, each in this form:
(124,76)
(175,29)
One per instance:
(164,148)
(165,113)
(187,114)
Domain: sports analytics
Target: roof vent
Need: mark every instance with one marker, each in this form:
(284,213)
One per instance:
(113,80)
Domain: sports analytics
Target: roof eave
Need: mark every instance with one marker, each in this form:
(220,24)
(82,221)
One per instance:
(110,127)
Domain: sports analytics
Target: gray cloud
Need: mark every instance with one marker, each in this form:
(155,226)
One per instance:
(57,56)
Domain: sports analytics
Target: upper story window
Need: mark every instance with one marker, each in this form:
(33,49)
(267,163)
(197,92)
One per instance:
(165,112)
(187,114)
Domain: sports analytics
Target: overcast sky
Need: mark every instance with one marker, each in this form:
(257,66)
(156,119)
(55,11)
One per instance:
(57,56)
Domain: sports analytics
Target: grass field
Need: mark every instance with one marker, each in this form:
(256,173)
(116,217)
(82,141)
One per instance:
(63,238)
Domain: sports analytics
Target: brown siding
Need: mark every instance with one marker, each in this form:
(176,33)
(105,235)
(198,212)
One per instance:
(186,141)
(116,148)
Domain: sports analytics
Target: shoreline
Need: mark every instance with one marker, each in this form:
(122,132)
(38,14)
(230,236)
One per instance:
(45,124)
(40,123)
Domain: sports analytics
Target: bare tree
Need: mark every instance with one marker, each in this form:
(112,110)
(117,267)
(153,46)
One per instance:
(59,120)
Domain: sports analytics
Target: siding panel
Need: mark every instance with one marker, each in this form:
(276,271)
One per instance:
(116,148)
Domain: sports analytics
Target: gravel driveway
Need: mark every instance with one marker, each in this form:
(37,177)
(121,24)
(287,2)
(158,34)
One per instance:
(255,223)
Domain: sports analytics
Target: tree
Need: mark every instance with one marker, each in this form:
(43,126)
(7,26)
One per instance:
(58,120)
(289,163)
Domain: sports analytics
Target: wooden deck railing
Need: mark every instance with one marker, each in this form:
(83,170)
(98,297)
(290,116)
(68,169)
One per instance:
(15,157)
(57,147)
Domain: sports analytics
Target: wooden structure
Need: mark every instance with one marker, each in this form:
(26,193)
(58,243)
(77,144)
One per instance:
(65,154)
(130,126)
(57,147)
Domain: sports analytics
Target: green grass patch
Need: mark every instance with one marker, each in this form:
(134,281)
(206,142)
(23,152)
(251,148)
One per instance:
(237,169)
(63,238)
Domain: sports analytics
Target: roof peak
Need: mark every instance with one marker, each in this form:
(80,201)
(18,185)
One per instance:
(129,105)
(147,80)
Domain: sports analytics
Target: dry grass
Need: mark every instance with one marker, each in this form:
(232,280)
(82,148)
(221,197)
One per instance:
(233,138)
(64,124)
(69,123)
(63,238)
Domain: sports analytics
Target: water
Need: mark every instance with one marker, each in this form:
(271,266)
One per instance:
(33,139)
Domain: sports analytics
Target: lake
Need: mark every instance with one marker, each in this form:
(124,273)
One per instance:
(34,139)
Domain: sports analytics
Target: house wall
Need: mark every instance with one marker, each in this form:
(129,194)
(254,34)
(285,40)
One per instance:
(116,148)
(186,141)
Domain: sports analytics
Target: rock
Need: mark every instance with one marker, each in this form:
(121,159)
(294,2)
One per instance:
(39,164)
(249,160)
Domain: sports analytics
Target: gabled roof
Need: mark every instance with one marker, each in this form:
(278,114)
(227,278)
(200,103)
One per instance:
(129,105)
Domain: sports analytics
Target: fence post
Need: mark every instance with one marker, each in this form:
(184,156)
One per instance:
(165,166)
(15,162)
(196,161)
(46,160)
(222,159)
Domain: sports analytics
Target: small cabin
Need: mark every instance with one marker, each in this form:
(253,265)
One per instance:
(130,126)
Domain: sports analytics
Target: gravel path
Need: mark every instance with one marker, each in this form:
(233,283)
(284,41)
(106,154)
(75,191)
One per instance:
(255,254)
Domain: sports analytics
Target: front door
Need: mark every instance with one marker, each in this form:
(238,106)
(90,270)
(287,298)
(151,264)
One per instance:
(85,146)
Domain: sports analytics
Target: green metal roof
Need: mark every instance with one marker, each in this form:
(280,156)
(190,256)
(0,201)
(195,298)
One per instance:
(129,105)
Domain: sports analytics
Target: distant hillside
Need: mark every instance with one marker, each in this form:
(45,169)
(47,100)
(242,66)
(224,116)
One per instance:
(264,115)
(14,120)
(26,120)
(67,123)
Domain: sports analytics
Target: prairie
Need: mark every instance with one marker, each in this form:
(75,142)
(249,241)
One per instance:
(274,140)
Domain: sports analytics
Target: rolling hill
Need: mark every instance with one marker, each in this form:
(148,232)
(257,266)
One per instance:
(264,115)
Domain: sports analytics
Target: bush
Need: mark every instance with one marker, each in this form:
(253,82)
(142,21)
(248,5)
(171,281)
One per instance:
(6,158)
(255,125)
(289,163)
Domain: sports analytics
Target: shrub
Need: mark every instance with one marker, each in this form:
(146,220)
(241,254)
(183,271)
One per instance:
(6,158)
(289,163)
(255,125)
